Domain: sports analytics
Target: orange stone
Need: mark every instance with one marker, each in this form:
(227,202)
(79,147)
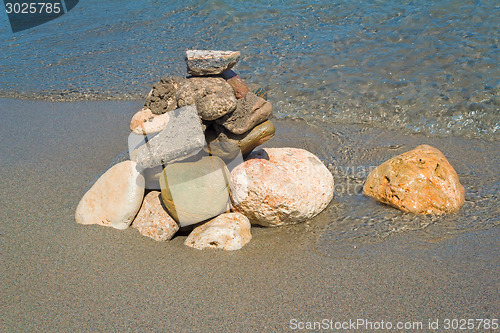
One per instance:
(420,181)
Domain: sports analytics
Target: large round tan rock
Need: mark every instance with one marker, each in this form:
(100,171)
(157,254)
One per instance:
(146,122)
(153,220)
(230,231)
(279,186)
(194,191)
(420,181)
(114,199)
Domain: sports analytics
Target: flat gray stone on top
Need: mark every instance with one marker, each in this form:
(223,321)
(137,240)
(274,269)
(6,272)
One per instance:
(182,138)
(210,62)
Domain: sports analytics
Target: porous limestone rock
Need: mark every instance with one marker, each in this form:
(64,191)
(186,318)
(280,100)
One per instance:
(230,231)
(146,122)
(420,181)
(163,97)
(153,221)
(194,191)
(213,96)
(250,111)
(183,137)
(210,62)
(279,186)
(114,199)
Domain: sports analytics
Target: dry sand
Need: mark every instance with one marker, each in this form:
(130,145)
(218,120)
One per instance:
(60,276)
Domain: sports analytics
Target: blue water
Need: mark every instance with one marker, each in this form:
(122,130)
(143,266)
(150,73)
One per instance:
(421,66)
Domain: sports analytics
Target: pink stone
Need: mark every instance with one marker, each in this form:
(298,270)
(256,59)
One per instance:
(279,186)
(153,220)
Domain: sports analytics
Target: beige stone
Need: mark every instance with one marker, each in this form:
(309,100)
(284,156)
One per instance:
(114,199)
(213,96)
(279,186)
(230,231)
(146,122)
(194,191)
(153,220)
(420,181)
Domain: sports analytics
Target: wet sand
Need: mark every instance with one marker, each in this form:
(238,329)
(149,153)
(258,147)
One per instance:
(356,260)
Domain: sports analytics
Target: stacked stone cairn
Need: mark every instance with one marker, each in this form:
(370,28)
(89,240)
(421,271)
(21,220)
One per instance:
(187,168)
(194,141)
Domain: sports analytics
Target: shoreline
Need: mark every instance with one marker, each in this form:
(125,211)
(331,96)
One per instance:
(60,275)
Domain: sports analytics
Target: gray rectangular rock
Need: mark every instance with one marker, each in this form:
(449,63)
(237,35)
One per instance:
(182,138)
(210,62)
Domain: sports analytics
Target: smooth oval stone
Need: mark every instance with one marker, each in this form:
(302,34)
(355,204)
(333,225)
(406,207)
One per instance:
(227,145)
(195,191)
(257,136)
(221,143)
(420,181)
(146,122)
(230,231)
(114,199)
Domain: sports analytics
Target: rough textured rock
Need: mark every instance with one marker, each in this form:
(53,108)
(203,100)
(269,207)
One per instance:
(209,62)
(163,97)
(213,96)
(183,137)
(227,145)
(114,199)
(229,231)
(250,111)
(237,83)
(420,181)
(153,220)
(146,122)
(279,186)
(194,191)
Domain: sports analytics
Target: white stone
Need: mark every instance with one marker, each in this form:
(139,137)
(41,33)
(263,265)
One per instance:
(114,199)
(279,186)
(230,231)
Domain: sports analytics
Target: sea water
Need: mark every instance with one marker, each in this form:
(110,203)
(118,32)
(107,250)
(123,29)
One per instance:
(420,66)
